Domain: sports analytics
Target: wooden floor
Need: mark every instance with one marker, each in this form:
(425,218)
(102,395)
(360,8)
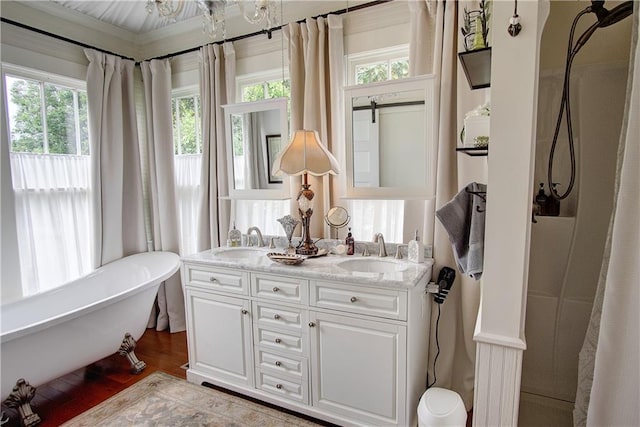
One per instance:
(64,398)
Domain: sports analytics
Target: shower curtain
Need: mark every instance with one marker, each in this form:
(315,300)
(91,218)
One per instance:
(609,364)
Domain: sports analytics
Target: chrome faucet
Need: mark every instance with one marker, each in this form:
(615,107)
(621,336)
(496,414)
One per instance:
(258,233)
(380,240)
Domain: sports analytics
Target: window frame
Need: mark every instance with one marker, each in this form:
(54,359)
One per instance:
(186,92)
(370,57)
(261,77)
(43,78)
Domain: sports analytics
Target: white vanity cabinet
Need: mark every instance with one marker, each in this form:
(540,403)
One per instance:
(350,351)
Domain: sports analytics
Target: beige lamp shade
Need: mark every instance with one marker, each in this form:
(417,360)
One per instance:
(305,154)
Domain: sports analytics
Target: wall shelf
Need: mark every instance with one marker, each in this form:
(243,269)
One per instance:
(474,151)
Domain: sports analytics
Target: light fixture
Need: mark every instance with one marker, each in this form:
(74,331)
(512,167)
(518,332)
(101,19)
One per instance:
(214,12)
(305,155)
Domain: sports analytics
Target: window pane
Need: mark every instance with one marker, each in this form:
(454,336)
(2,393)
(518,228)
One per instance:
(253,93)
(278,89)
(399,69)
(25,115)
(61,126)
(84,123)
(187,124)
(371,73)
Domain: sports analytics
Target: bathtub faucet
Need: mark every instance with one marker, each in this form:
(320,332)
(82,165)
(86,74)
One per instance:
(258,233)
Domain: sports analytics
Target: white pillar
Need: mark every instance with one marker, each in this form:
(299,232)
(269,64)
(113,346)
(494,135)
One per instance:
(500,328)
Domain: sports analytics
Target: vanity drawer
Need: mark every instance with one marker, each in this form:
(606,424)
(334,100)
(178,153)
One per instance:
(386,303)
(213,278)
(276,316)
(280,288)
(277,364)
(287,388)
(281,341)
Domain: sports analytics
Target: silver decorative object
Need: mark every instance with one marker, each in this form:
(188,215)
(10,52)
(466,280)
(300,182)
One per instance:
(289,224)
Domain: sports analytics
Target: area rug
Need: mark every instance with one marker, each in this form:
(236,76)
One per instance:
(163,400)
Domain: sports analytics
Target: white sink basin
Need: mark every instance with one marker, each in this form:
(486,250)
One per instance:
(240,253)
(371,265)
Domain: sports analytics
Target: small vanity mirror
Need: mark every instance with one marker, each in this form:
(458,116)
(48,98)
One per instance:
(390,139)
(255,134)
(337,217)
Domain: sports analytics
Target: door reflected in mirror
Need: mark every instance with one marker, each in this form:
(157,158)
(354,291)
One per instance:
(390,139)
(256,132)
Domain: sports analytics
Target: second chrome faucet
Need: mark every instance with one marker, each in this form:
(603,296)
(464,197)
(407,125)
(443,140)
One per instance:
(258,233)
(379,239)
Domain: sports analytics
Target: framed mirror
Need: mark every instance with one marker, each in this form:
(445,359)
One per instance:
(256,132)
(390,139)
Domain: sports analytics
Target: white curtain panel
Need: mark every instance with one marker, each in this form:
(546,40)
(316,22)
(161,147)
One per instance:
(217,87)
(115,155)
(315,69)
(156,76)
(609,364)
(187,174)
(53,219)
(262,214)
(436,22)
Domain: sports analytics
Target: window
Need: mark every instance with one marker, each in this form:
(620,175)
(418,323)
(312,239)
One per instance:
(187,141)
(263,85)
(50,167)
(372,216)
(378,65)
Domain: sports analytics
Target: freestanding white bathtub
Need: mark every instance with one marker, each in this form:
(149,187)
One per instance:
(47,335)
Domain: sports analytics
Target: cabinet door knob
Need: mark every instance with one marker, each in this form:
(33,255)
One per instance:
(276,316)
(275,289)
(278,386)
(245,311)
(312,324)
(212,279)
(278,340)
(353,299)
(278,363)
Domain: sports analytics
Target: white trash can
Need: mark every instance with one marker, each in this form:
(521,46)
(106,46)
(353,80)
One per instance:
(441,407)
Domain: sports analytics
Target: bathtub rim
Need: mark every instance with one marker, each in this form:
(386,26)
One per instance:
(10,335)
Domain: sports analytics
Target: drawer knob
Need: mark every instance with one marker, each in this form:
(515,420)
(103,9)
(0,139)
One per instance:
(278,363)
(312,324)
(212,279)
(278,340)
(353,299)
(276,316)
(275,289)
(245,311)
(278,386)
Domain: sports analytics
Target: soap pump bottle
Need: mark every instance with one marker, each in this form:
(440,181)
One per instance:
(350,243)
(542,201)
(415,250)
(553,204)
(234,238)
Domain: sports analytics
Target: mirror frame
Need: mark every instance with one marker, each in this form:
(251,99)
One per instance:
(426,189)
(254,107)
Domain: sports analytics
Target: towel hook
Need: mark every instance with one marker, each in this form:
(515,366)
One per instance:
(481,194)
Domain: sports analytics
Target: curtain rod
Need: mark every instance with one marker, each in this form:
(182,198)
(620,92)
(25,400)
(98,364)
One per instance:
(65,39)
(193,49)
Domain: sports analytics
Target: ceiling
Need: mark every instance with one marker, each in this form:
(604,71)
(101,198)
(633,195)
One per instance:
(132,16)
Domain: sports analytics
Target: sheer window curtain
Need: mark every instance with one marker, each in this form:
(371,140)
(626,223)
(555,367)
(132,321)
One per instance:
(316,67)
(609,363)
(436,22)
(53,217)
(163,215)
(115,156)
(187,174)
(217,87)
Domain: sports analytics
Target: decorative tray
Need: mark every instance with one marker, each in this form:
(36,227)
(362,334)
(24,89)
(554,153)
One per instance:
(287,259)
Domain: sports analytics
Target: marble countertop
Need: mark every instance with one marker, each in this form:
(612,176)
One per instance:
(326,267)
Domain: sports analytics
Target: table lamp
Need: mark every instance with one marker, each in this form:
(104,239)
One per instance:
(304,155)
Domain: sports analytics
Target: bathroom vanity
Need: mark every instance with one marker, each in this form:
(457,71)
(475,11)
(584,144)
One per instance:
(339,338)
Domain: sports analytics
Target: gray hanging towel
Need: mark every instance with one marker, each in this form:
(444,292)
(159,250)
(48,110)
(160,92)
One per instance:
(463,219)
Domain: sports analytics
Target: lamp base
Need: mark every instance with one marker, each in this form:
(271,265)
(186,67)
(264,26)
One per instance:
(307,248)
